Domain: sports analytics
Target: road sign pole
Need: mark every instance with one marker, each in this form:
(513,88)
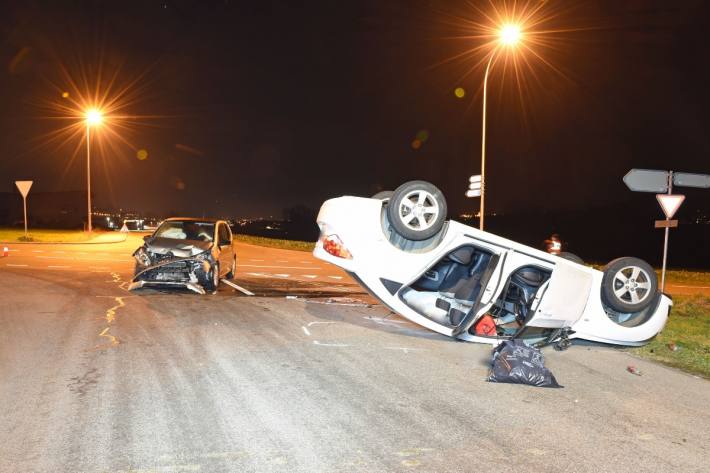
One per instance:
(24,188)
(665,239)
(24,205)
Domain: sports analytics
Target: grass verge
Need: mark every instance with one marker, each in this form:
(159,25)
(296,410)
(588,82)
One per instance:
(276,243)
(685,341)
(679,276)
(11,235)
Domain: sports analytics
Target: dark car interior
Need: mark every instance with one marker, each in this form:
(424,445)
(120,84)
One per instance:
(448,291)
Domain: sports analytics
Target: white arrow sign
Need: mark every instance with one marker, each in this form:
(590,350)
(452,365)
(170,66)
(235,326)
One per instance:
(670,203)
(23,187)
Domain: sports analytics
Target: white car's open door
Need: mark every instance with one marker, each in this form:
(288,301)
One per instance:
(561,303)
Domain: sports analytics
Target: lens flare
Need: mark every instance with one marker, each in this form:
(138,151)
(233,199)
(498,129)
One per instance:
(94,116)
(510,34)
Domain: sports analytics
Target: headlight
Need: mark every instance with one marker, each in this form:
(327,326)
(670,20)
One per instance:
(203,256)
(142,257)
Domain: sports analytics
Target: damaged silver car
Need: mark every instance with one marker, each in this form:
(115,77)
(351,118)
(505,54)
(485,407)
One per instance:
(186,252)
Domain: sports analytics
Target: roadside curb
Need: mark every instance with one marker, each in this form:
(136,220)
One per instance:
(125,237)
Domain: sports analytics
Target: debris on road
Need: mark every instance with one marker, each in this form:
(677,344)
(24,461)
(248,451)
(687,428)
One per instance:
(673,347)
(515,362)
(633,370)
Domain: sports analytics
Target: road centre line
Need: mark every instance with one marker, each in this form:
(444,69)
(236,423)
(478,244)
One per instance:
(237,287)
(58,267)
(306,331)
(16,265)
(694,287)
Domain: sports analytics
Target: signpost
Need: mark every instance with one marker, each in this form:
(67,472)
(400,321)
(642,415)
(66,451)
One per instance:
(474,186)
(662,182)
(24,188)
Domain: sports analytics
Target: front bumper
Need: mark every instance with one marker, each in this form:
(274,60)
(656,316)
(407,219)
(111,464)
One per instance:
(190,273)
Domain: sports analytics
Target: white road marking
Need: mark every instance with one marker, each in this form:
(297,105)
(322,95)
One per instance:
(276,267)
(281,261)
(405,350)
(58,267)
(237,287)
(261,275)
(282,275)
(16,265)
(385,321)
(37,251)
(316,342)
(51,257)
(335,277)
(306,331)
(346,304)
(311,276)
(318,322)
(694,287)
(59,252)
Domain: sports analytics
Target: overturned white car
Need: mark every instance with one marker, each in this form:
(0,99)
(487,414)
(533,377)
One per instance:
(476,286)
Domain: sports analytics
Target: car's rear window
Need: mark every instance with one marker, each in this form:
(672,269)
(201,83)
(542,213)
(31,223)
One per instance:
(186,230)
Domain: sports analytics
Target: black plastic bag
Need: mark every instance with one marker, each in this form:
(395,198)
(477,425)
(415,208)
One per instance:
(515,362)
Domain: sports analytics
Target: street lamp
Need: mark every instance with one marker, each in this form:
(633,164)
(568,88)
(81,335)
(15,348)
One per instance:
(94,117)
(509,35)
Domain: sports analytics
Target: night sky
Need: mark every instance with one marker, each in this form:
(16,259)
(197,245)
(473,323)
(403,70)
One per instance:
(246,108)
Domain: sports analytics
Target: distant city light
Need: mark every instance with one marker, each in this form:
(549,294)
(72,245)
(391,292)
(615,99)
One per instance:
(459,92)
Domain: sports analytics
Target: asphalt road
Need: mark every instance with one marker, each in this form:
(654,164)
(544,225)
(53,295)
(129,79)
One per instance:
(97,379)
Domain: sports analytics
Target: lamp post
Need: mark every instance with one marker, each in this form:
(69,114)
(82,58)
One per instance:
(93,118)
(509,35)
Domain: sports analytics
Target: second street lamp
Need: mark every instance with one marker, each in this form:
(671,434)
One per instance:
(508,36)
(94,117)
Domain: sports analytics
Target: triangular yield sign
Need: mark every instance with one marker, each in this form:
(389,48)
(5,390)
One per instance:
(23,187)
(670,203)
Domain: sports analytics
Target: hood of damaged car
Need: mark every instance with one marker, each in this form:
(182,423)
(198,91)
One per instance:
(178,248)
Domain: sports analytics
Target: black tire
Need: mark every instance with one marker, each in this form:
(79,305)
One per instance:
(233,269)
(383,195)
(212,278)
(571,257)
(402,211)
(629,284)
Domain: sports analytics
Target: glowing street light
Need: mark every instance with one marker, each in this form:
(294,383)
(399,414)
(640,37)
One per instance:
(93,117)
(509,36)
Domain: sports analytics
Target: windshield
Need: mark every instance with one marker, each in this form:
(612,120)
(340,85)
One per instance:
(186,230)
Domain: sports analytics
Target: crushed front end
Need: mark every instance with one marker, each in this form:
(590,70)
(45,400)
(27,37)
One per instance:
(158,268)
